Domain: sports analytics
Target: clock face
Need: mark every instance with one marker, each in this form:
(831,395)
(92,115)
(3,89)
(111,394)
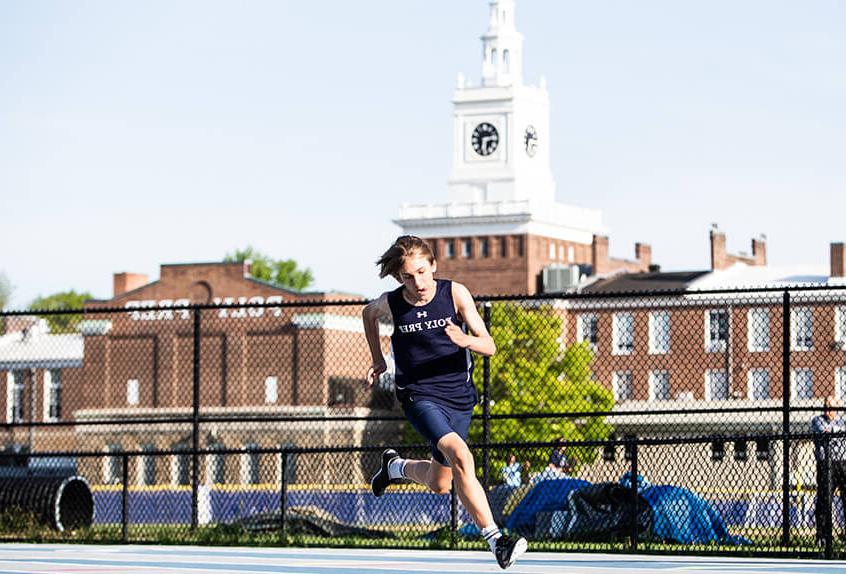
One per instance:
(485,139)
(530,139)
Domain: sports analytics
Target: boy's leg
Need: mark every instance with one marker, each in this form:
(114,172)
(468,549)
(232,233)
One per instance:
(467,486)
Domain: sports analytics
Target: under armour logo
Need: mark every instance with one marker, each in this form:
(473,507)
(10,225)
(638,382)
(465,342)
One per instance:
(421,314)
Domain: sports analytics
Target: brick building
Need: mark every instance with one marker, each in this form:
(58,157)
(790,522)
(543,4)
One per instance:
(256,361)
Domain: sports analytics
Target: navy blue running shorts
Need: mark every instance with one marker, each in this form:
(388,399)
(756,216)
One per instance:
(434,421)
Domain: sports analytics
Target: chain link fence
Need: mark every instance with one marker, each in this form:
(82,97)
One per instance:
(662,421)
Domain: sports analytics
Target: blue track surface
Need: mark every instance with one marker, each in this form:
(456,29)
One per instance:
(79,559)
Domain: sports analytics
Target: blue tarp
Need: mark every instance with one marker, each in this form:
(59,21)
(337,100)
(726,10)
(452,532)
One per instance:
(546,496)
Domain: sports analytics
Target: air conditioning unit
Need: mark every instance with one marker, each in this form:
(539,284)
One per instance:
(560,278)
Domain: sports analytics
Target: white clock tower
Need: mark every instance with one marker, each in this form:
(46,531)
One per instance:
(502,215)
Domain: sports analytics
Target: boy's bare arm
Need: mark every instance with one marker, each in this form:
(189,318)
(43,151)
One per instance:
(371,314)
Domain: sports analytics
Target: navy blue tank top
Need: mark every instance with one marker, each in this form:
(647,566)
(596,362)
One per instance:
(429,366)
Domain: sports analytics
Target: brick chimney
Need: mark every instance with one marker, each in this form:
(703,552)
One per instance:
(759,250)
(718,249)
(838,260)
(599,254)
(643,253)
(124,282)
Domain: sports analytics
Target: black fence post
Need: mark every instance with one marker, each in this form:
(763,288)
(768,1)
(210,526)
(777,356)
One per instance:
(124,499)
(195,426)
(453,517)
(486,404)
(828,509)
(785,420)
(283,497)
(634,470)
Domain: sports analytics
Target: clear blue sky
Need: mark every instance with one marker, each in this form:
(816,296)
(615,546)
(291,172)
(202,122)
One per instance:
(140,133)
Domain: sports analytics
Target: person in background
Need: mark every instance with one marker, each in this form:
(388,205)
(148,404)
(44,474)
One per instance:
(511,473)
(826,423)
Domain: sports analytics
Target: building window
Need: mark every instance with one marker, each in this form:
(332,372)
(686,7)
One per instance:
(520,246)
(485,247)
(659,386)
(659,332)
(506,57)
(571,254)
(758,330)
(552,251)
(802,384)
(628,449)
(840,384)
(716,385)
(718,450)
(112,465)
(146,473)
(290,466)
(15,385)
(52,394)
(180,465)
(740,453)
(271,390)
(802,329)
(341,392)
(449,249)
(250,465)
(759,384)
(621,385)
(716,330)
(503,246)
(132,392)
(762,449)
(215,465)
(609,452)
(622,333)
(466,248)
(586,330)
(840,327)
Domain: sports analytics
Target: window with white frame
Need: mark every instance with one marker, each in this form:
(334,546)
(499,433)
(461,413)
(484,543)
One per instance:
(146,469)
(840,326)
(659,332)
(759,384)
(250,465)
(716,385)
(52,394)
(215,465)
(551,250)
(802,384)
(112,465)
(271,390)
(132,392)
(840,384)
(659,386)
(716,330)
(449,249)
(15,385)
(758,330)
(466,248)
(180,465)
(586,329)
(290,465)
(621,385)
(622,333)
(571,254)
(802,329)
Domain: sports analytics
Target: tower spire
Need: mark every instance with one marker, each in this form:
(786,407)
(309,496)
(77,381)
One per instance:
(502,54)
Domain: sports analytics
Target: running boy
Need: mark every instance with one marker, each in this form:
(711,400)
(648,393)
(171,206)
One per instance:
(436,325)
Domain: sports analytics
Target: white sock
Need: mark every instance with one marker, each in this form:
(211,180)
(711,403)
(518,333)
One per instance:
(490,534)
(396,468)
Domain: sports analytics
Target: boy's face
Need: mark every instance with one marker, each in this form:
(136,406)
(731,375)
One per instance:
(418,277)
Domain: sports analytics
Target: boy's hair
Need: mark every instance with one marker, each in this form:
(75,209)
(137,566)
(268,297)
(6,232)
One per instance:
(404,247)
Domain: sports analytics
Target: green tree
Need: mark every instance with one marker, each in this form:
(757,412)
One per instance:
(59,301)
(279,272)
(532,372)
